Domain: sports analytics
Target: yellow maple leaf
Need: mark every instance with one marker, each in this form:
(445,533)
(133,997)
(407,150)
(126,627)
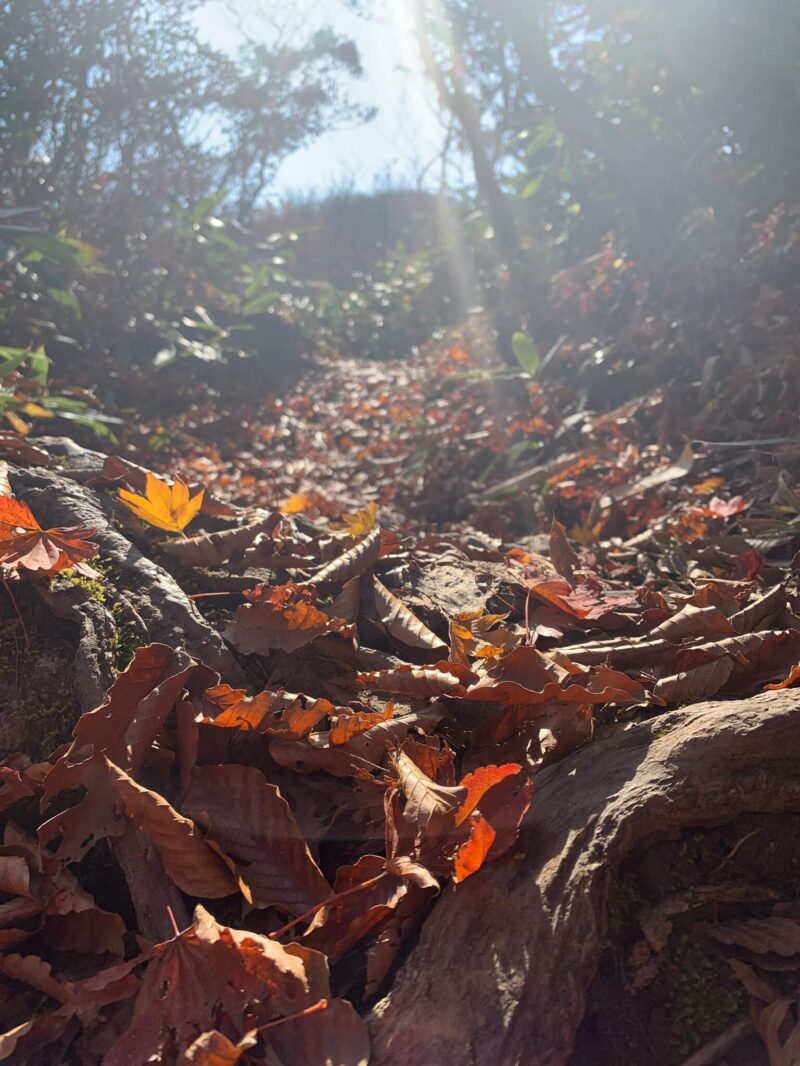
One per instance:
(296,504)
(361,522)
(166,508)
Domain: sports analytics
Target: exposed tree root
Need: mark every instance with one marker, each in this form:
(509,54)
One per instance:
(500,973)
(149,603)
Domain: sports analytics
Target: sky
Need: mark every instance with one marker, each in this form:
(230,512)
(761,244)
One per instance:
(401,143)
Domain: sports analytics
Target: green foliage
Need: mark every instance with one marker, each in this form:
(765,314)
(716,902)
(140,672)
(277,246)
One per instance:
(133,157)
(526,352)
(385,313)
(25,395)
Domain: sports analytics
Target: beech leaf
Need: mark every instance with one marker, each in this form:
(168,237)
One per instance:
(251,822)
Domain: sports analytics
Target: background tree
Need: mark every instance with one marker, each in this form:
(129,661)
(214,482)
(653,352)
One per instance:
(123,130)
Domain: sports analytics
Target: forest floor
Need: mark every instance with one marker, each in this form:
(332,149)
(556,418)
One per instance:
(411,591)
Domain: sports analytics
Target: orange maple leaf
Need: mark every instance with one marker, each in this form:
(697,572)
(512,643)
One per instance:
(23,542)
(162,506)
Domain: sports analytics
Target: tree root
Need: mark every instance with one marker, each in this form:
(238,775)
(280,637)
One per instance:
(149,602)
(500,973)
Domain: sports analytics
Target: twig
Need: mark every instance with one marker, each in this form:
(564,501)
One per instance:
(321,1004)
(325,903)
(19,616)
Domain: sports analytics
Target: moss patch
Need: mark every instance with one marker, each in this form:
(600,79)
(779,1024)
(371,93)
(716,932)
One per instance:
(656,1008)
(703,997)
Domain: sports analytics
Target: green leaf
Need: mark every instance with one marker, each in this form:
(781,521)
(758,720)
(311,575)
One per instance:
(14,358)
(40,366)
(526,352)
(531,188)
(65,297)
(261,303)
(36,240)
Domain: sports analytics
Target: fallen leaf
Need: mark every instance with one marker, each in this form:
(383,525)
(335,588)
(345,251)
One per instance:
(426,801)
(361,522)
(357,560)
(282,617)
(346,726)
(691,686)
(479,782)
(471,855)
(401,623)
(252,823)
(23,542)
(162,506)
(213,549)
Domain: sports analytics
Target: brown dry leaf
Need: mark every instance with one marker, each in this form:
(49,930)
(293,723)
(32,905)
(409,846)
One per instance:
(401,623)
(773,935)
(414,681)
(350,724)
(19,450)
(33,971)
(472,634)
(764,608)
(399,927)
(251,822)
(338,926)
(214,1049)
(603,686)
(479,782)
(615,653)
(700,683)
(352,563)
(214,549)
(12,787)
(772,1016)
(283,617)
(130,717)
(232,708)
(692,621)
(192,864)
(426,801)
(504,806)
(335,1036)
(361,752)
(209,977)
(586,601)
(86,932)
(300,717)
(563,555)
(404,866)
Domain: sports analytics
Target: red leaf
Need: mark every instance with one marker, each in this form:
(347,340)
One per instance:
(479,782)
(472,854)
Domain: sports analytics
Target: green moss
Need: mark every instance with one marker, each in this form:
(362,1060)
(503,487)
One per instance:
(47,728)
(704,997)
(126,637)
(96,590)
(624,905)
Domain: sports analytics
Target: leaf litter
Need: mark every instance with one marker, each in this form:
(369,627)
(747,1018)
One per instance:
(309,822)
